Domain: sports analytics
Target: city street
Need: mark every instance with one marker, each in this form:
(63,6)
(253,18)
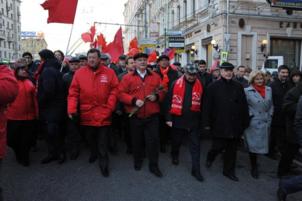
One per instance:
(80,181)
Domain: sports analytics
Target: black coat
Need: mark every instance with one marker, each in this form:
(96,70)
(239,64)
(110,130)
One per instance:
(188,119)
(67,79)
(51,96)
(205,78)
(289,108)
(279,90)
(244,83)
(298,123)
(172,75)
(225,109)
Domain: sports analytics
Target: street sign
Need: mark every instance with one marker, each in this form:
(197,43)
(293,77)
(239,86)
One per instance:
(176,41)
(290,4)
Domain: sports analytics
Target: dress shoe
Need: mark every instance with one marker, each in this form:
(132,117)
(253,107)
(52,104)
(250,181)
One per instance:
(138,166)
(255,173)
(62,158)
(92,158)
(209,164)
(74,155)
(175,160)
(105,171)
(49,159)
(281,195)
(155,170)
(231,177)
(197,175)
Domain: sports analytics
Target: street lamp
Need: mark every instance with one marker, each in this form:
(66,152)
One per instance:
(214,44)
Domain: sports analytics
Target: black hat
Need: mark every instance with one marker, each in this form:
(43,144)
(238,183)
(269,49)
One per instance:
(74,60)
(140,55)
(104,57)
(82,57)
(122,57)
(191,69)
(163,57)
(227,65)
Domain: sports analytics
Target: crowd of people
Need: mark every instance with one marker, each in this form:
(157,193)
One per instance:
(90,100)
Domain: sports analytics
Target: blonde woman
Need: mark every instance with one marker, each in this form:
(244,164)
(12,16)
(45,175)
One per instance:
(259,98)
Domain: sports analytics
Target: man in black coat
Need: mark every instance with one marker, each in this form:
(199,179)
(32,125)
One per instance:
(239,77)
(184,116)
(51,101)
(32,67)
(290,185)
(168,76)
(73,137)
(280,87)
(225,116)
(204,76)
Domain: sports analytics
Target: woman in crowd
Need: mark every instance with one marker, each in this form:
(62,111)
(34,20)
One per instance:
(21,115)
(259,98)
(295,76)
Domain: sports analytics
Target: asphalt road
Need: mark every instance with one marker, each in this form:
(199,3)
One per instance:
(80,181)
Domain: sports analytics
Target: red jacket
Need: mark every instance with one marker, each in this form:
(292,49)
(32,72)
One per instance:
(94,93)
(25,106)
(8,92)
(133,87)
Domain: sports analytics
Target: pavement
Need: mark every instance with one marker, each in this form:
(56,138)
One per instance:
(80,181)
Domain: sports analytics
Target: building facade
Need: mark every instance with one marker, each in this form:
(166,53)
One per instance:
(247,31)
(10,28)
(33,42)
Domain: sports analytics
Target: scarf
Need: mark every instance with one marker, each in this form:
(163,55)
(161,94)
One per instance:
(178,96)
(260,90)
(165,80)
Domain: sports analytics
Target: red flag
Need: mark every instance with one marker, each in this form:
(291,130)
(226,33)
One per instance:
(133,44)
(171,53)
(86,37)
(152,57)
(115,48)
(60,11)
(101,41)
(92,31)
(133,52)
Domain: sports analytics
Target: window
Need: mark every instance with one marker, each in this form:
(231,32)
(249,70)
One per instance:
(185,9)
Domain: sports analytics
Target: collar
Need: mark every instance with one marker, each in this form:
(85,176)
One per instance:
(136,72)
(142,75)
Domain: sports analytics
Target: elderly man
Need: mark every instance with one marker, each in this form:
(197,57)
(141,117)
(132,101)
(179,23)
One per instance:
(184,117)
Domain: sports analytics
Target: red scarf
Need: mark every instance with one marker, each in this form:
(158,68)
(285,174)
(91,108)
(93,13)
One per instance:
(178,96)
(165,81)
(260,90)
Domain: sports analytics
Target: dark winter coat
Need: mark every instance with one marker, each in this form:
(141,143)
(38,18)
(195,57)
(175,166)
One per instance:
(188,119)
(244,83)
(279,90)
(51,96)
(225,109)
(289,109)
(298,123)
(205,78)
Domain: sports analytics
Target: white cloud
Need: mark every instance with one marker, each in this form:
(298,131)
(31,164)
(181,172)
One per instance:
(34,18)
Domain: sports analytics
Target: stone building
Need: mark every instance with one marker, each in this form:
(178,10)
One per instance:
(247,30)
(33,43)
(10,28)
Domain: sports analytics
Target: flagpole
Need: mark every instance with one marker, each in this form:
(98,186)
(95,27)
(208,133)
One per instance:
(69,39)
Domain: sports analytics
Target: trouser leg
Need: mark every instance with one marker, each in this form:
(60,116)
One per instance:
(102,146)
(288,154)
(92,140)
(230,155)
(176,137)
(137,137)
(151,134)
(217,147)
(195,149)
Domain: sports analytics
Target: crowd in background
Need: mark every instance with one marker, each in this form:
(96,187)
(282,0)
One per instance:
(89,100)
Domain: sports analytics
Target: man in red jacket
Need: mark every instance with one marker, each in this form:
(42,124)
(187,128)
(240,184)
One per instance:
(8,93)
(141,91)
(93,90)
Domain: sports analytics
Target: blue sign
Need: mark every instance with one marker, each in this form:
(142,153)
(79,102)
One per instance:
(28,34)
(292,4)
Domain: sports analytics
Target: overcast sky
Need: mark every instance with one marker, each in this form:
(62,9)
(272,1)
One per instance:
(34,18)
